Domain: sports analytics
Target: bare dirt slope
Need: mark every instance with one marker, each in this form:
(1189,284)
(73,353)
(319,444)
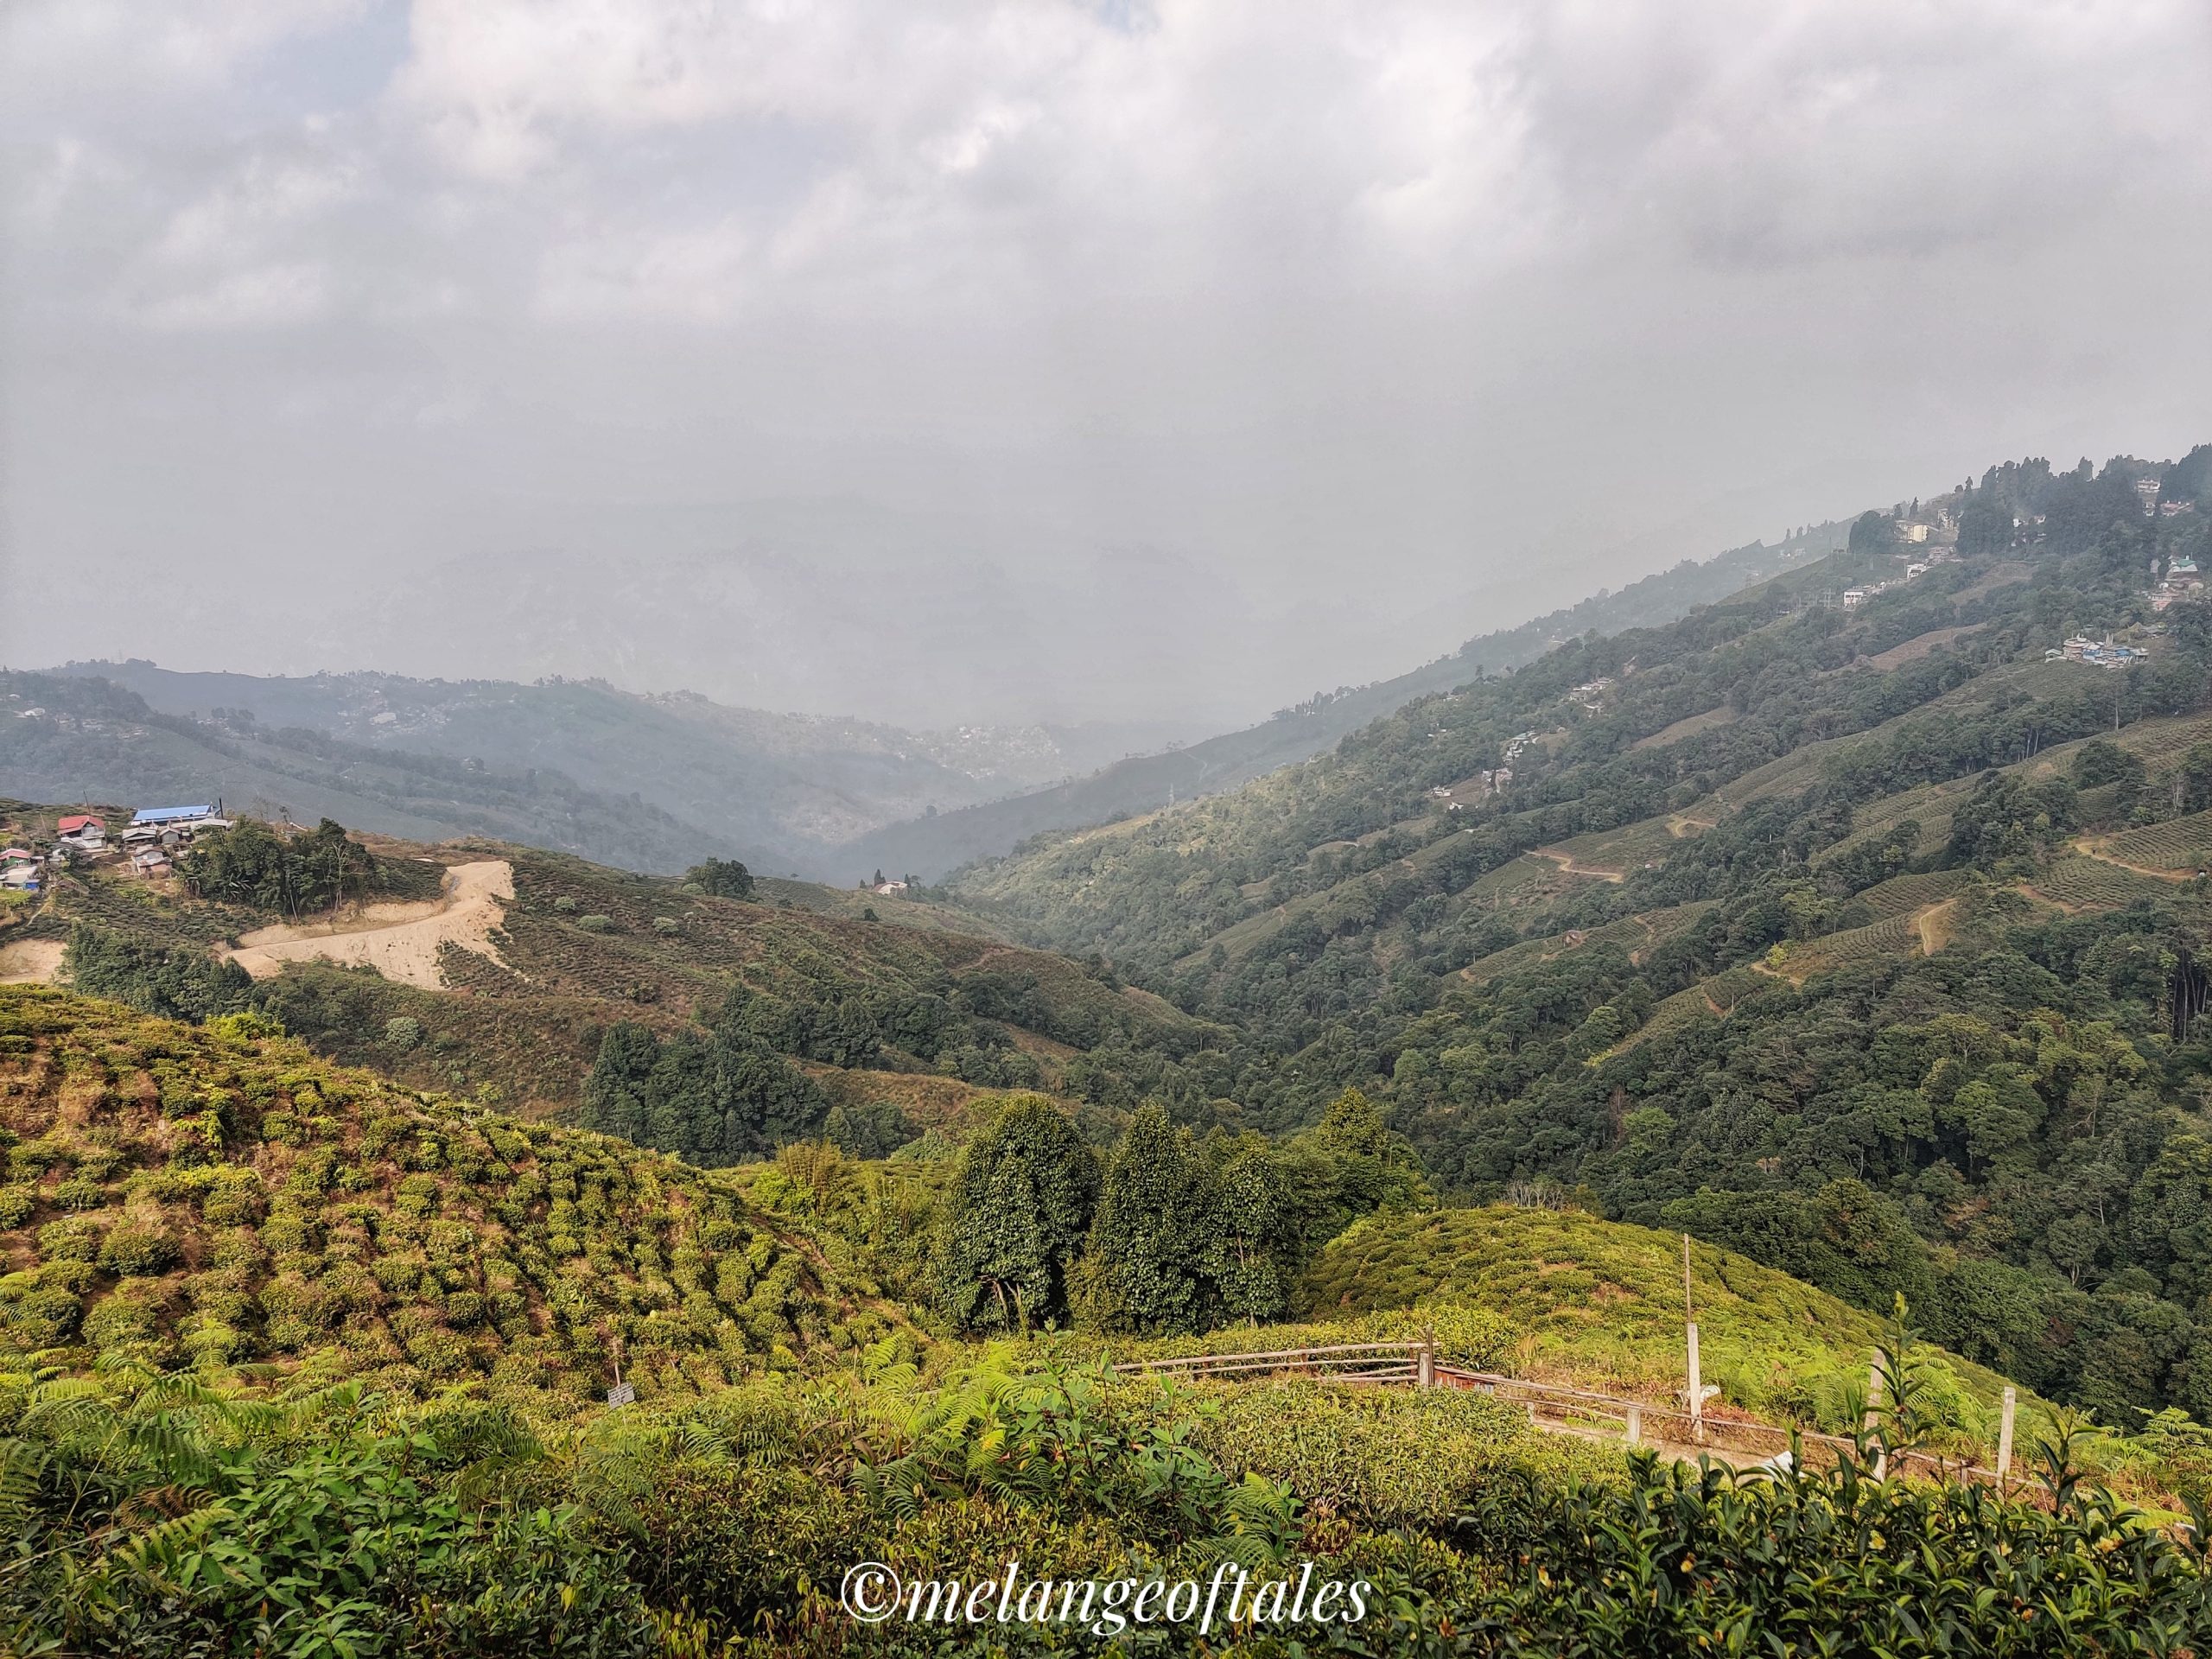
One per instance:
(400,941)
(31,961)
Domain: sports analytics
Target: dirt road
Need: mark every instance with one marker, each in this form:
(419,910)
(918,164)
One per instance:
(400,941)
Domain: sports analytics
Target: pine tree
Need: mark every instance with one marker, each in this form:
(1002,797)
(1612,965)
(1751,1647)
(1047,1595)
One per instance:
(615,1094)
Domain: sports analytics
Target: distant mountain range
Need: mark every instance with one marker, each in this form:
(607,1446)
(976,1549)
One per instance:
(658,782)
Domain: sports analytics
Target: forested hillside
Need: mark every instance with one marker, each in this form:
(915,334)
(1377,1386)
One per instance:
(932,845)
(1859,936)
(1856,938)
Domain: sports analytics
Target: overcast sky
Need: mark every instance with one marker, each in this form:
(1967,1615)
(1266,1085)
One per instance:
(937,361)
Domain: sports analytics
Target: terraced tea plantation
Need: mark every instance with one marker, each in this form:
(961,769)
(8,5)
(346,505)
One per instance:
(2083,883)
(2181,844)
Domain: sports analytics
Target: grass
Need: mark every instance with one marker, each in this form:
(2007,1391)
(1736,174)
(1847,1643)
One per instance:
(1902,894)
(1690,726)
(1648,841)
(1635,934)
(1709,999)
(1893,936)
(1599,1303)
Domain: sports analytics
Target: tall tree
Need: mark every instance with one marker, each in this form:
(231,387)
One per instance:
(1156,1232)
(1020,1202)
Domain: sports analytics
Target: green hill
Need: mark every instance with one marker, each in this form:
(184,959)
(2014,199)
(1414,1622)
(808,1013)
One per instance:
(1886,978)
(883,1006)
(180,1194)
(1600,1304)
(944,840)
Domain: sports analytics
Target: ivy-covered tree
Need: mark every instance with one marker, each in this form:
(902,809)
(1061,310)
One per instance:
(712,1098)
(1157,1232)
(1020,1204)
(1248,1260)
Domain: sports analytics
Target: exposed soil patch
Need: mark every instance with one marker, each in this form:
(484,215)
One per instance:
(401,941)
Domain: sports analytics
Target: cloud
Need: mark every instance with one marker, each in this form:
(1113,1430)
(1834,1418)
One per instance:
(1349,309)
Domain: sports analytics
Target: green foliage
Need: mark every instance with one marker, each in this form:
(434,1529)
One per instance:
(253,865)
(725,878)
(1156,1232)
(712,1098)
(164,1517)
(253,1202)
(1838,1564)
(1020,1204)
(176,983)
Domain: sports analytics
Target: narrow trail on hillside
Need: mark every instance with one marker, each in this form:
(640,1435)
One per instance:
(401,941)
(1566,861)
(2090,847)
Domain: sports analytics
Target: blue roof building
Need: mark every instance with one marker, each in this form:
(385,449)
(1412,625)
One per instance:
(170,814)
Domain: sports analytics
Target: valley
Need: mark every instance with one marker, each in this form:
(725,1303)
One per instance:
(1822,972)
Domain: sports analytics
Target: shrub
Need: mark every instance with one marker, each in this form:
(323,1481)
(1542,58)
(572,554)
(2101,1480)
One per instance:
(45,1316)
(402,1031)
(565,904)
(16,1204)
(236,1202)
(596,924)
(126,1316)
(76,1239)
(135,1251)
(667,924)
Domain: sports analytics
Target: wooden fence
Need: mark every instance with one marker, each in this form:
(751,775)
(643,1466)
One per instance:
(1550,1405)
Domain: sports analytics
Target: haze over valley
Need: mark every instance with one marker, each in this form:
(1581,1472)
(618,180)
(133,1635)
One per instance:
(1105,825)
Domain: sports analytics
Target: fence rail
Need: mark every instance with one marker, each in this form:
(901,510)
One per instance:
(1556,1405)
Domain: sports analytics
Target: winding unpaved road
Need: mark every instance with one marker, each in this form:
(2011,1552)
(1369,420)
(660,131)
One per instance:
(400,941)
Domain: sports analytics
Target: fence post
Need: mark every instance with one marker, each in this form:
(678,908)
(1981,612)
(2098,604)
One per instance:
(1427,1378)
(1636,1425)
(1874,1413)
(1697,1394)
(1697,1378)
(2005,1437)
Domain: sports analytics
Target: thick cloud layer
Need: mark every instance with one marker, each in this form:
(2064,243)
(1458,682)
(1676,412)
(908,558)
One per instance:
(941,361)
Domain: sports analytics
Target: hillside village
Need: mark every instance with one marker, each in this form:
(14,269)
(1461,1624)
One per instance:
(145,846)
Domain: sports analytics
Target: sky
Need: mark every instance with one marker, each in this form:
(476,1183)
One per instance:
(950,362)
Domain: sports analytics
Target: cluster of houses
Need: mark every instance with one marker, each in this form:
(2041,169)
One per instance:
(1855,597)
(1491,781)
(1591,693)
(2098,653)
(2180,580)
(147,843)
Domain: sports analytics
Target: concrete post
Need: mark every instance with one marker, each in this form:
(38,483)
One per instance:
(1874,1413)
(1697,1393)
(2005,1439)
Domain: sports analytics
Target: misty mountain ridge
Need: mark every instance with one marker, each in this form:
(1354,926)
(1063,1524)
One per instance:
(656,781)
